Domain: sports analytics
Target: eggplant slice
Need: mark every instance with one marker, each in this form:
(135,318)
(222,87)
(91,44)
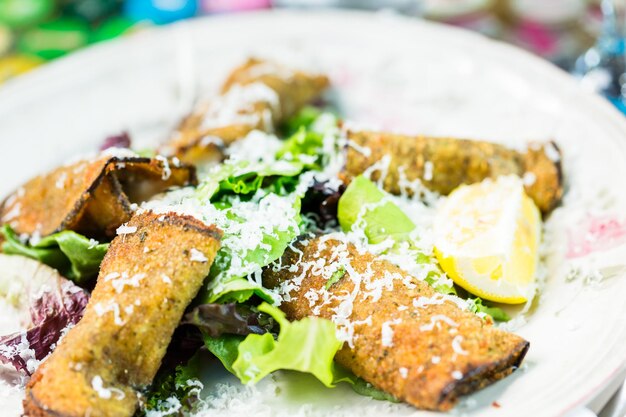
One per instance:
(442,164)
(146,281)
(402,336)
(257,95)
(92,197)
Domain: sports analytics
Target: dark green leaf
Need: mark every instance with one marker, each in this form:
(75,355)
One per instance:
(178,385)
(225,348)
(303,119)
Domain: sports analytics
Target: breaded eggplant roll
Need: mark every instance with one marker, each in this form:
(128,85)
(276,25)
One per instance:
(257,95)
(93,197)
(401,336)
(442,164)
(146,281)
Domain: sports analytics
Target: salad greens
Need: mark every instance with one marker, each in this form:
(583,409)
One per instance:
(364,204)
(304,146)
(241,319)
(72,254)
(308,345)
(305,118)
(244,177)
(477,306)
(175,393)
(255,235)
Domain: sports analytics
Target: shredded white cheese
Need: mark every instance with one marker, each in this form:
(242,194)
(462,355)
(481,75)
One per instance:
(456,345)
(126,230)
(386,338)
(197,256)
(107,393)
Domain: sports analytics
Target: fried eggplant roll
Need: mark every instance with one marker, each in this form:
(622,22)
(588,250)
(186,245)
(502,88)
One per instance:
(402,336)
(146,281)
(257,95)
(442,164)
(92,197)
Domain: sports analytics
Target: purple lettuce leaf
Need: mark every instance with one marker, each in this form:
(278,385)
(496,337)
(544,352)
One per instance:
(55,304)
(321,202)
(240,319)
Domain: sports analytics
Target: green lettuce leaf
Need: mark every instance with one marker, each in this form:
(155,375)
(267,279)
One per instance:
(225,348)
(265,355)
(228,277)
(244,177)
(72,254)
(496,313)
(308,345)
(363,205)
(176,393)
(303,119)
(364,388)
(303,142)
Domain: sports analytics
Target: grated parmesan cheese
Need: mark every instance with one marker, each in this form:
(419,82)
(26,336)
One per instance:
(126,230)
(107,393)
(197,256)
(386,338)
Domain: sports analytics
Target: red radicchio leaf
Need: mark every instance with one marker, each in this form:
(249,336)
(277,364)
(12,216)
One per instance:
(54,303)
(116,141)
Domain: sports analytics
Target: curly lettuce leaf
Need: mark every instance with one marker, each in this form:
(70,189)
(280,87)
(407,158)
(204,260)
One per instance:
(176,393)
(303,146)
(364,205)
(496,313)
(245,177)
(72,254)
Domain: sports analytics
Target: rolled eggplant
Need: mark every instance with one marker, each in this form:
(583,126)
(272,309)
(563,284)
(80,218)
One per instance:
(92,197)
(442,164)
(257,95)
(147,279)
(402,336)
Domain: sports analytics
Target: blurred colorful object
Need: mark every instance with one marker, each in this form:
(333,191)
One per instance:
(55,38)
(13,65)
(35,31)
(23,13)
(602,67)
(222,6)
(160,11)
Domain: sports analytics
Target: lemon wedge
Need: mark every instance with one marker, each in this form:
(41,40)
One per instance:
(487,238)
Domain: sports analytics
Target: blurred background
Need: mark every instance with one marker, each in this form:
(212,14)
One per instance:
(584,37)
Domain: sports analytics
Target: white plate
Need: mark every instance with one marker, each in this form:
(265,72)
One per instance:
(392,73)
